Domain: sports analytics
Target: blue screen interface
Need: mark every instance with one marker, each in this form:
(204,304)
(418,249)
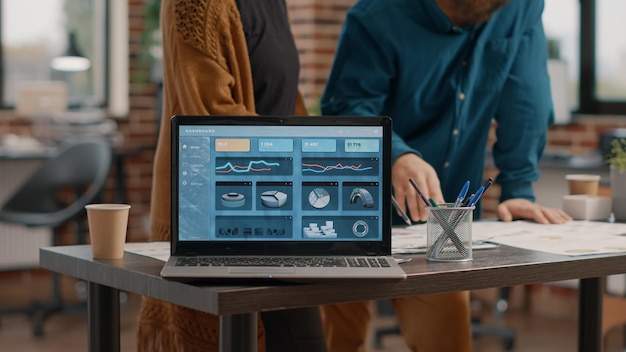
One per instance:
(301,183)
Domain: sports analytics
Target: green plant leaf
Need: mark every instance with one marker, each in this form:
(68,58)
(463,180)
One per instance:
(617,156)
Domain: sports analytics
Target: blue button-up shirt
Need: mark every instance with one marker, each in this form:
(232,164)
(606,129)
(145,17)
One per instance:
(444,85)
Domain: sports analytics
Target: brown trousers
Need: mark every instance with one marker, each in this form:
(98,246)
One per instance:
(429,323)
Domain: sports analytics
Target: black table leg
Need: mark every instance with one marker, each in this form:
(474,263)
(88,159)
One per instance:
(104,318)
(238,332)
(591,293)
(120,176)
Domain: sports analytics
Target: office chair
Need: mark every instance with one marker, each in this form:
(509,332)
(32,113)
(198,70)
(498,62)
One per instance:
(54,196)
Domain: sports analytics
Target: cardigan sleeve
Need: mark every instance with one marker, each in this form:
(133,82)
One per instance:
(206,65)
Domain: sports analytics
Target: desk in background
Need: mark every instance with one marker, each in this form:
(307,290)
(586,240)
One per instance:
(19,245)
(238,305)
(551,186)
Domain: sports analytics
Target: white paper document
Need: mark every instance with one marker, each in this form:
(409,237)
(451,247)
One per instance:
(412,240)
(572,238)
(159,250)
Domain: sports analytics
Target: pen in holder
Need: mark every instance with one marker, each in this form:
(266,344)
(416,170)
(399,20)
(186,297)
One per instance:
(449,233)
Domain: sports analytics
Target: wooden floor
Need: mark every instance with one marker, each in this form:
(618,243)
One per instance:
(549,325)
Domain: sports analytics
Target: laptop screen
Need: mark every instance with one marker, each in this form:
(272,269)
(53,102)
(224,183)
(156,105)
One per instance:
(273,184)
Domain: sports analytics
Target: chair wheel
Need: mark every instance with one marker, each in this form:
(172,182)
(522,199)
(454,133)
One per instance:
(508,344)
(123,297)
(38,330)
(501,306)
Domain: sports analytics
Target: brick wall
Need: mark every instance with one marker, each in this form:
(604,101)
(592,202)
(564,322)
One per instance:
(316,26)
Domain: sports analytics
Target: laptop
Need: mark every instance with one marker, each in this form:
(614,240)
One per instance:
(287,198)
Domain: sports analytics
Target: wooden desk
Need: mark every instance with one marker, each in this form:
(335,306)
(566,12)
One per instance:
(238,305)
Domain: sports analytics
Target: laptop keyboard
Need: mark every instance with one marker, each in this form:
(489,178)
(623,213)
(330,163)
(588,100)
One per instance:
(366,262)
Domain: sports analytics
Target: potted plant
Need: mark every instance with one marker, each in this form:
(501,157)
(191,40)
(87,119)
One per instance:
(616,158)
(148,59)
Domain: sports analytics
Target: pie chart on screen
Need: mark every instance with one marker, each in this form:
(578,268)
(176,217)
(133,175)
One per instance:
(319,198)
(274,199)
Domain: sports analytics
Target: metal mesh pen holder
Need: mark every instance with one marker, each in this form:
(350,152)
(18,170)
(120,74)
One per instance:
(449,233)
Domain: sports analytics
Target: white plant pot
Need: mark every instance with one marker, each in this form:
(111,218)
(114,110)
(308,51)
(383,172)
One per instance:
(618,193)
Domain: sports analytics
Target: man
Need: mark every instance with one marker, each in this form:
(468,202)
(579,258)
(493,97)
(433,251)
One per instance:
(444,70)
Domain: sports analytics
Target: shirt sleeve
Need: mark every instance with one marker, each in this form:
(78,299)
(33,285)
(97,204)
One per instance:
(361,76)
(523,116)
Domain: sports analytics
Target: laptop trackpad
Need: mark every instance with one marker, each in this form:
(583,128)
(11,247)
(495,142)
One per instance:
(257,270)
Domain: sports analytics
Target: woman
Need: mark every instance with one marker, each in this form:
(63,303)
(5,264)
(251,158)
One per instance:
(222,57)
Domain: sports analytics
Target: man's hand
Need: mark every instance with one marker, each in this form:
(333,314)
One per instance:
(412,166)
(522,209)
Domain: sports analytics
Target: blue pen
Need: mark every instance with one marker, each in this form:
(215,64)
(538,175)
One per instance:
(462,194)
(479,193)
(488,184)
(466,201)
(476,196)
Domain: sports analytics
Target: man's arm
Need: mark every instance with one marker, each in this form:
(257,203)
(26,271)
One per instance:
(523,115)
(359,84)
(360,76)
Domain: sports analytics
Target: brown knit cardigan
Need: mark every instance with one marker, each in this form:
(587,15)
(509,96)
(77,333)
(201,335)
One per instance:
(206,71)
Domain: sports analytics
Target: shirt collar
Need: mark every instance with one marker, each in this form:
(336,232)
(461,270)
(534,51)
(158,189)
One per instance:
(441,22)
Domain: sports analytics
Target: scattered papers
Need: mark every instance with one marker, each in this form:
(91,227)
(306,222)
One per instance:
(573,238)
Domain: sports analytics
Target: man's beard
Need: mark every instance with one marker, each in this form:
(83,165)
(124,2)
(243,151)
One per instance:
(473,12)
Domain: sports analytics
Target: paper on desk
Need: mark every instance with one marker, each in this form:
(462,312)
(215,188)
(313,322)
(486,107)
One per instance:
(572,238)
(412,240)
(159,250)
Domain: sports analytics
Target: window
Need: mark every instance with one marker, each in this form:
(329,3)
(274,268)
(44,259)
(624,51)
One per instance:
(610,65)
(589,39)
(562,28)
(32,38)
(602,58)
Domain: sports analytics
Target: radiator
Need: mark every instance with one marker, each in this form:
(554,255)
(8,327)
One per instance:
(19,245)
